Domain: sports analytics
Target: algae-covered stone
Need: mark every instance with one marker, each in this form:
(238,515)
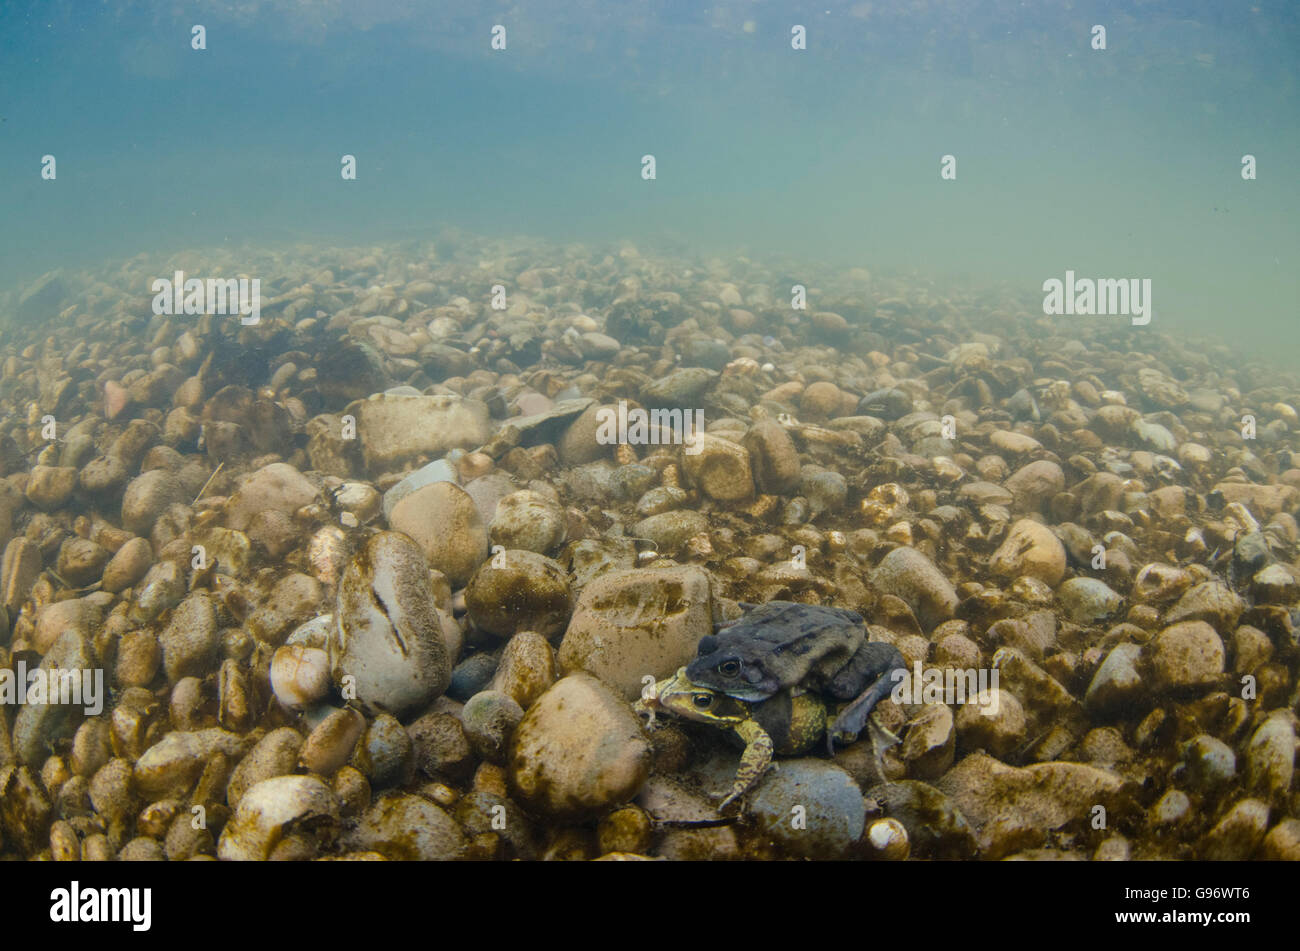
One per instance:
(389,638)
(631,624)
(392,428)
(273,808)
(445,522)
(519,591)
(809,808)
(908,574)
(408,828)
(578,750)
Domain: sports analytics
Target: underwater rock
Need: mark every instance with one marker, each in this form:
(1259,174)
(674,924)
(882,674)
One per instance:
(389,639)
(631,624)
(519,591)
(578,750)
(445,523)
(392,429)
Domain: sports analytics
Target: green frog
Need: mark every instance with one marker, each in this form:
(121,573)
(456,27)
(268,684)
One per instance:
(790,722)
(785,645)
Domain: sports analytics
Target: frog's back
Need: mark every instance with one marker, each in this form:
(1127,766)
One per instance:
(795,627)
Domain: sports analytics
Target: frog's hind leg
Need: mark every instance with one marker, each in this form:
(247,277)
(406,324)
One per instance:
(885,661)
(754,762)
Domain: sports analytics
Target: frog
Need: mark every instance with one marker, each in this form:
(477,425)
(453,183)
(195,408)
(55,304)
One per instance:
(784,645)
(790,722)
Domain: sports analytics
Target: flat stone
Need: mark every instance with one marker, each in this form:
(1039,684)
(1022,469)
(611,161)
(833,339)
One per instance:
(630,624)
(392,429)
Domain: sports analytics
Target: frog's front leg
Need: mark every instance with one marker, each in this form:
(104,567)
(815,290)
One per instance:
(875,663)
(753,762)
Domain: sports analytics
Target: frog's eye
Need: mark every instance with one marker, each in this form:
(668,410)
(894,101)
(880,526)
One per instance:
(729,668)
(702,701)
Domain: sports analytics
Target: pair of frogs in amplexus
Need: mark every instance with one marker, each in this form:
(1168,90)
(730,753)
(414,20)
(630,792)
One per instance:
(766,677)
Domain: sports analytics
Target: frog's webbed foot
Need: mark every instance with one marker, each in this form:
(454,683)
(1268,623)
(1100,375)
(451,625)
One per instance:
(887,662)
(881,738)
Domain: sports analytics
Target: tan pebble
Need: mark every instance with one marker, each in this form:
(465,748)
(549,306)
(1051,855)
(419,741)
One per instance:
(331,743)
(300,675)
(64,844)
(96,848)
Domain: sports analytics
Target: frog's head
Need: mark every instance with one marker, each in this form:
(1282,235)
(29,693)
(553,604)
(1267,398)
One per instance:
(735,666)
(678,695)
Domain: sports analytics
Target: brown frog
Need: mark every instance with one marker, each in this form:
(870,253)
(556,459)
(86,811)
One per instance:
(785,645)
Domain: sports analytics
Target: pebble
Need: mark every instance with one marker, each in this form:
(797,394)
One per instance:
(331,741)
(147,497)
(440,470)
(519,591)
(407,828)
(993,720)
(81,561)
(1173,807)
(392,429)
(127,565)
(887,841)
(1282,844)
(1013,808)
(1117,687)
(825,489)
(809,808)
(386,754)
(471,675)
(19,570)
(887,404)
(578,751)
(172,765)
(628,625)
(1087,600)
(292,600)
(278,487)
(50,487)
(774,458)
(440,747)
(191,639)
(389,639)
(444,521)
(528,521)
(270,808)
(1238,834)
(300,675)
(1187,654)
(275,754)
(82,616)
(489,718)
(1030,548)
(37,726)
(527,669)
(720,468)
(1270,757)
(930,742)
(1209,765)
(908,574)
(670,531)
(1033,485)
(1209,601)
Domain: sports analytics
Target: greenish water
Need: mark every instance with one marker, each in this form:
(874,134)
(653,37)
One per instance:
(1123,162)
